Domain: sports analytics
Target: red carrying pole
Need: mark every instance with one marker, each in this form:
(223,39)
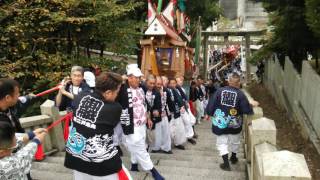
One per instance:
(39,156)
(124,174)
(68,118)
(55,123)
(48,91)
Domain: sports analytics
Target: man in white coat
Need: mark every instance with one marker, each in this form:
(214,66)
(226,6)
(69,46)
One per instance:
(162,129)
(134,121)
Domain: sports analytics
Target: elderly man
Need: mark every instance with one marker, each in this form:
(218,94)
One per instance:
(187,115)
(153,100)
(134,121)
(162,129)
(177,108)
(71,87)
(226,109)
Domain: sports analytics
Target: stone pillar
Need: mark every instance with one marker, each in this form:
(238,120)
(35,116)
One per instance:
(34,122)
(259,150)
(262,130)
(258,113)
(284,165)
(56,133)
(226,40)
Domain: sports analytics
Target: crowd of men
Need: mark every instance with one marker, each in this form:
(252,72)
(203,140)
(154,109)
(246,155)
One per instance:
(145,115)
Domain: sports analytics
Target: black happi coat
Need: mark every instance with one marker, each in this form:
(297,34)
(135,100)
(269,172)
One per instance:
(168,100)
(154,104)
(66,102)
(175,102)
(199,93)
(183,96)
(90,147)
(125,99)
(226,108)
(193,94)
(13,113)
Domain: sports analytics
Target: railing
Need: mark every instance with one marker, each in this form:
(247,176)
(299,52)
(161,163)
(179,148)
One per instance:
(49,113)
(264,160)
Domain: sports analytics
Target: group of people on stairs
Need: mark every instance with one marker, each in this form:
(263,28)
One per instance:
(143,114)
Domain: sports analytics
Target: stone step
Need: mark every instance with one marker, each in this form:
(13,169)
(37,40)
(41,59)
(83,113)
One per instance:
(192,152)
(156,157)
(49,175)
(50,171)
(195,177)
(54,159)
(254,4)
(52,167)
(179,157)
(209,148)
(256,18)
(240,166)
(256,14)
(176,173)
(257,9)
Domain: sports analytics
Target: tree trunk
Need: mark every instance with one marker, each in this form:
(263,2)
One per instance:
(102,46)
(88,51)
(69,49)
(78,50)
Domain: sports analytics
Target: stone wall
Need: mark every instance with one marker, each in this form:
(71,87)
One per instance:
(297,93)
(230,8)
(264,161)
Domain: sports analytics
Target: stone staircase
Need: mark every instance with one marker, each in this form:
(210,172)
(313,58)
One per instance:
(197,162)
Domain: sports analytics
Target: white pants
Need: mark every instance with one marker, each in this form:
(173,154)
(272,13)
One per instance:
(118,135)
(136,144)
(162,139)
(177,131)
(187,124)
(82,176)
(224,140)
(204,105)
(200,110)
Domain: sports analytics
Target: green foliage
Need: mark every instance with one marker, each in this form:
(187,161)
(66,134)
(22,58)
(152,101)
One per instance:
(313,15)
(263,53)
(40,39)
(208,10)
(291,34)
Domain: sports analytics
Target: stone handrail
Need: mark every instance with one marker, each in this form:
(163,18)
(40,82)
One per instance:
(50,113)
(264,161)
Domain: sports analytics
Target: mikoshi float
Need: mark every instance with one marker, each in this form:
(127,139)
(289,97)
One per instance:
(164,47)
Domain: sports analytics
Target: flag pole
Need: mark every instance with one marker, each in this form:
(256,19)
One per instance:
(159,6)
(198,41)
